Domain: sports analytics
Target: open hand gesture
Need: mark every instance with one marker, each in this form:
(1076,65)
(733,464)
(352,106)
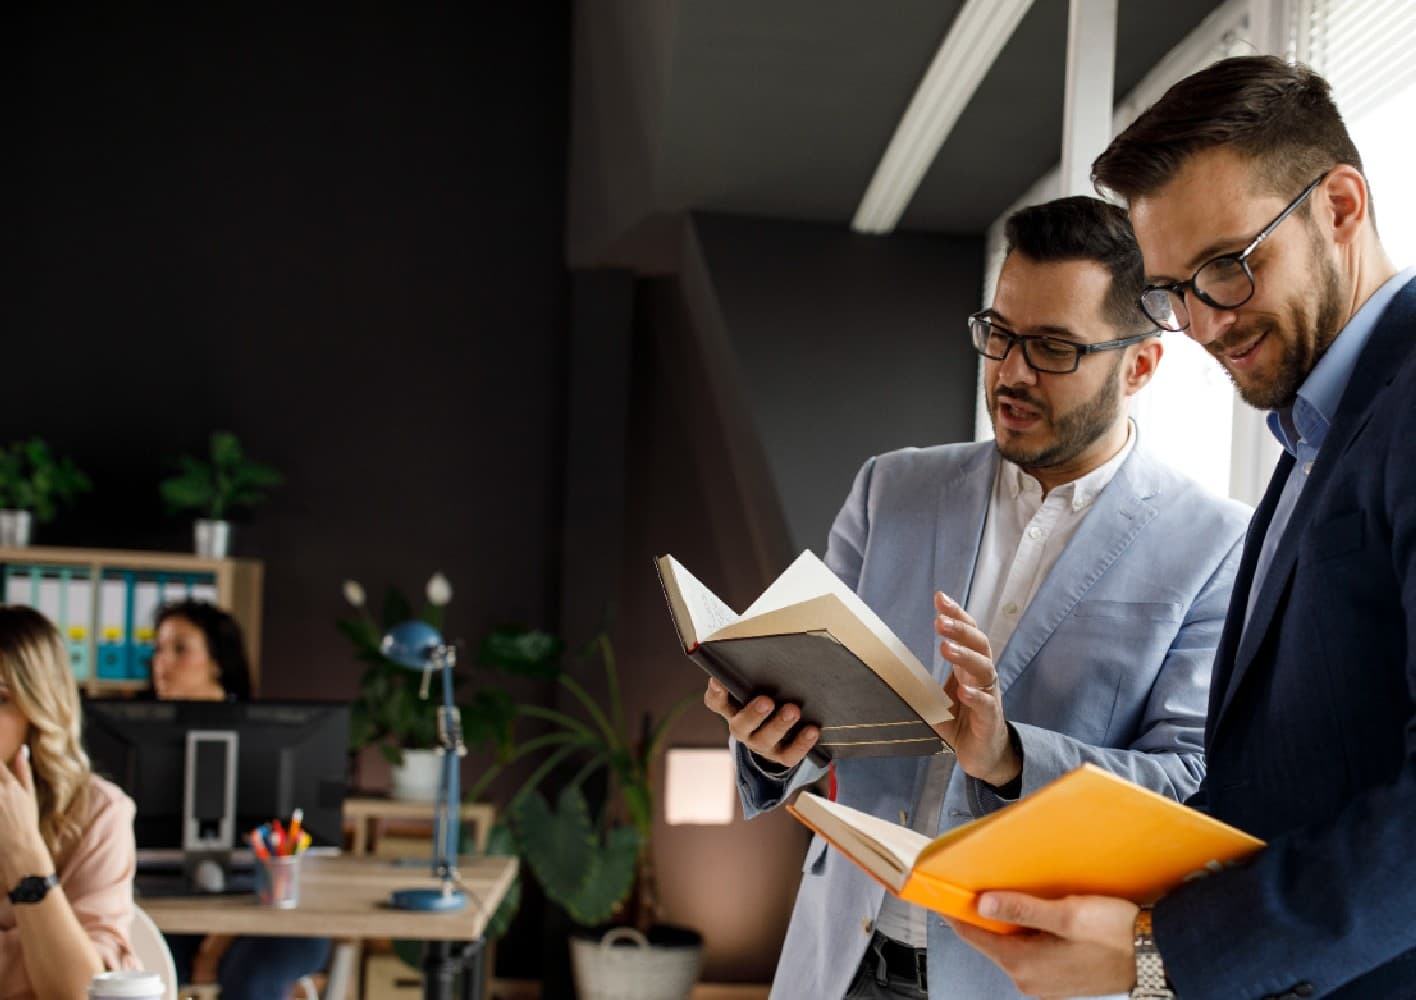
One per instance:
(978,732)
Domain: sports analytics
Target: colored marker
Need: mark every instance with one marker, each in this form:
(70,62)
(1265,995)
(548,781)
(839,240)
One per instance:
(296,818)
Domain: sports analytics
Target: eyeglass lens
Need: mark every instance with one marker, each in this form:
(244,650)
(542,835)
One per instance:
(1223,283)
(1045,354)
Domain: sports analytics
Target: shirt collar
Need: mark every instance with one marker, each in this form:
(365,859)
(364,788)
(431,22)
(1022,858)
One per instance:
(1083,490)
(1308,419)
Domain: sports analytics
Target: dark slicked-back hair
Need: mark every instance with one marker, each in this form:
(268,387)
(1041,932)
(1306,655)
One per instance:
(1083,228)
(1278,115)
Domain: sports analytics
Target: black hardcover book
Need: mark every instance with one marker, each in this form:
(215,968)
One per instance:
(812,642)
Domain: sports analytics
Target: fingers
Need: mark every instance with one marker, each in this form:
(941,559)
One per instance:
(1055,916)
(946,605)
(761,729)
(719,702)
(971,667)
(22,768)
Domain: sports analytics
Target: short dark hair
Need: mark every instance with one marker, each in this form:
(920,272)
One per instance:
(1084,228)
(1279,115)
(224,642)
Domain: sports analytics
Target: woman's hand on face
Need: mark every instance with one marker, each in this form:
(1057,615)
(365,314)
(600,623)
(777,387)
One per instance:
(22,850)
(19,809)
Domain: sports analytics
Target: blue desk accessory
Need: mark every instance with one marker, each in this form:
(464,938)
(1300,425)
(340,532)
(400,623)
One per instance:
(418,646)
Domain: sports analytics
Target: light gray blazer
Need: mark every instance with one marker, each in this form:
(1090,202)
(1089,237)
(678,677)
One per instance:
(1110,664)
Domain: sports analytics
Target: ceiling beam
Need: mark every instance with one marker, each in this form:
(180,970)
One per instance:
(974,41)
(1090,83)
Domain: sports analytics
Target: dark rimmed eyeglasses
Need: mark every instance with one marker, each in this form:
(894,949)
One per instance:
(1223,282)
(1043,352)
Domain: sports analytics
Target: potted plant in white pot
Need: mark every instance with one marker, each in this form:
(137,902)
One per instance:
(215,488)
(392,710)
(33,483)
(597,864)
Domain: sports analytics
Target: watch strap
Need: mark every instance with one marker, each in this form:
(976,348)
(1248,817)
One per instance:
(1151,981)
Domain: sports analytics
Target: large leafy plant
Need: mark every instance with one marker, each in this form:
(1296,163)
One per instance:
(216,487)
(595,862)
(33,479)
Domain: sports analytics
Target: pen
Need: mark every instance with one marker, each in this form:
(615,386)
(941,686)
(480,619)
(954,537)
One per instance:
(258,846)
(296,818)
(277,837)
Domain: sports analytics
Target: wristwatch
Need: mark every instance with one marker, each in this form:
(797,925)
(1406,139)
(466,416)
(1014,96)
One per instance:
(33,888)
(1151,983)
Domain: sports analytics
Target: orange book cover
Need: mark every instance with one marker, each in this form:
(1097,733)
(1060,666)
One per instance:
(1088,832)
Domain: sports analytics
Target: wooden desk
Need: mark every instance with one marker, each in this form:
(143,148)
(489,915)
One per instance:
(345,897)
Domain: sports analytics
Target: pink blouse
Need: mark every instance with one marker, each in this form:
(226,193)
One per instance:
(97,876)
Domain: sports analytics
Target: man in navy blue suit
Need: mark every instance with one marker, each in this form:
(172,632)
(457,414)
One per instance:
(1256,224)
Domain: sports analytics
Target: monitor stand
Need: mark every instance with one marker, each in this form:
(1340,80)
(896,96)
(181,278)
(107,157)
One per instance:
(209,808)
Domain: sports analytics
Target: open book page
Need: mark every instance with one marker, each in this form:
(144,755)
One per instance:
(808,577)
(888,657)
(886,849)
(698,611)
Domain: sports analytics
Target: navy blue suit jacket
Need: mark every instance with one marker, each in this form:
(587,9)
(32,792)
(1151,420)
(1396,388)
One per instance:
(1311,737)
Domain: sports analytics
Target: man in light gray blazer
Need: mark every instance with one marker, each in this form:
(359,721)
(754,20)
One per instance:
(1078,584)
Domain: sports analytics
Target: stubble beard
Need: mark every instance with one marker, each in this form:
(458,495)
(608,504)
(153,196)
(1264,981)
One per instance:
(1072,433)
(1313,334)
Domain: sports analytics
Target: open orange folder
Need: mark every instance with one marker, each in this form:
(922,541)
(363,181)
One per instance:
(1089,832)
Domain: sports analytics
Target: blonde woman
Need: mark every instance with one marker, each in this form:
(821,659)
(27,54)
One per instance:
(66,836)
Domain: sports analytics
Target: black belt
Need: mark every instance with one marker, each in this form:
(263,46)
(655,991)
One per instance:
(900,961)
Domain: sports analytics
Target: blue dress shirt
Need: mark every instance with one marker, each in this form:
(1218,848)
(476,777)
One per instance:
(1302,427)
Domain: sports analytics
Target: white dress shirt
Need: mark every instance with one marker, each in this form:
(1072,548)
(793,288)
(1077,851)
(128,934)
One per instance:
(1024,533)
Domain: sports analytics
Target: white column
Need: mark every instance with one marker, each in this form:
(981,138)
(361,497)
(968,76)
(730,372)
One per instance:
(1091,72)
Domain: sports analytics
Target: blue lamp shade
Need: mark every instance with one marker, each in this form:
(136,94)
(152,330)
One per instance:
(414,645)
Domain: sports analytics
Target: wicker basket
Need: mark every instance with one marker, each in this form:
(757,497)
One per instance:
(644,972)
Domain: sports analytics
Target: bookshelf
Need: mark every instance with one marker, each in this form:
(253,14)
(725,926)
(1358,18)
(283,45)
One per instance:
(103,602)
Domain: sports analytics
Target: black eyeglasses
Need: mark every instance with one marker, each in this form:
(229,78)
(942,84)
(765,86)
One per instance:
(1042,352)
(1223,282)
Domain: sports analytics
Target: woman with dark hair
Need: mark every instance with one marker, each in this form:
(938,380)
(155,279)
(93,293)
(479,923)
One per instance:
(201,656)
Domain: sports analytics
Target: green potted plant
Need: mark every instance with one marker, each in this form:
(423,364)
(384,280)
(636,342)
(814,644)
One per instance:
(214,488)
(393,710)
(33,483)
(595,862)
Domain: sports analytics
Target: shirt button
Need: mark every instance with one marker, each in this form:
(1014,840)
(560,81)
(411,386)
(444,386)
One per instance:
(1034,532)
(1307,468)
(1010,608)
(866,925)
(1078,503)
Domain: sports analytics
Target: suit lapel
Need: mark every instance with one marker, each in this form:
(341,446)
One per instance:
(1239,596)
(1389,344)
(963,506)
(1117,516)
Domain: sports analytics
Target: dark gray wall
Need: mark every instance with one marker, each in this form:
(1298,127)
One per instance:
(849,345)
(339,238)
(810,349)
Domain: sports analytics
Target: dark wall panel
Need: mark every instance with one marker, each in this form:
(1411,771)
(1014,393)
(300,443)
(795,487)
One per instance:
(849,345)
(338,237)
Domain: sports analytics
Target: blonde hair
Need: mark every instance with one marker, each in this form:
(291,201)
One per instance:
(34,664)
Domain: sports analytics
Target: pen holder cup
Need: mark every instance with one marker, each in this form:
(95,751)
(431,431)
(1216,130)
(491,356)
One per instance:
(278,882)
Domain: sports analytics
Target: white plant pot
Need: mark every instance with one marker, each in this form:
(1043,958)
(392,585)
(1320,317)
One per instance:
(418,777)
(213,538)
(643,972)
(15,527)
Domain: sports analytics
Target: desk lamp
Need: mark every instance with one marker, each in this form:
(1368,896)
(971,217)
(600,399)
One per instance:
(418,646)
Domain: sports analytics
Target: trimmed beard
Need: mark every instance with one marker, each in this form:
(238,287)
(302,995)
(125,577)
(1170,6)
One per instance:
(1074,432)
(1310,342)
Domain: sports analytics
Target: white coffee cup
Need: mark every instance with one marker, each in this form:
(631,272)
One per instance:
(126,986)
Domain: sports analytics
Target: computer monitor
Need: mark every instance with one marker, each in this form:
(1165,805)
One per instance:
(262,759)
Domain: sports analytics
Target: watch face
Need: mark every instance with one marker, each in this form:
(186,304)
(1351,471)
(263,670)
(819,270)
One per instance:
(33,888)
